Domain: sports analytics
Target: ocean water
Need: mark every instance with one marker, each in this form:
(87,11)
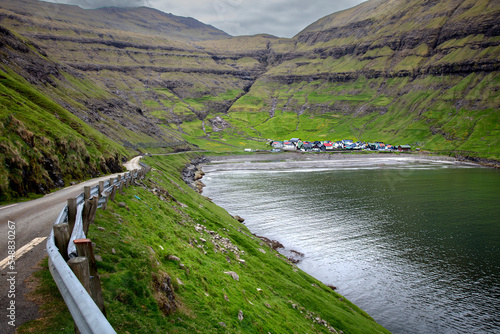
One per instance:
(415,244)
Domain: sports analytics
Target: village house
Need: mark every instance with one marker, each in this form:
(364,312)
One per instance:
(277,144)
(289,146)
(404,148)
(295,144)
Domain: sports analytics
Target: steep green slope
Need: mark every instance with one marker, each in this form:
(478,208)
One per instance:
(168,255)
(138,56)
(414,72)
(418,72)
(42,144)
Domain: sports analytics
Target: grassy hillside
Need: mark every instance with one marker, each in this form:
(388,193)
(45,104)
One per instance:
(44,146)
(405,72)
(147,290)
(416,72)
(422,111)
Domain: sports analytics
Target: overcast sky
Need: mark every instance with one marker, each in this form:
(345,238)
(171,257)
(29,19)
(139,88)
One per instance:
(283,18)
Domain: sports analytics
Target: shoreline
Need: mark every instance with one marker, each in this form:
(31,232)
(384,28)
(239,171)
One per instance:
(307,162)
(296,160)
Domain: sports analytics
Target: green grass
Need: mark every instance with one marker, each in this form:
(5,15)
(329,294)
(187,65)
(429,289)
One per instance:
(273,294)
(421,111)
(39,137)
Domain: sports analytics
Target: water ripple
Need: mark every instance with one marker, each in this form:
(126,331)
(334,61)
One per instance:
(416,246)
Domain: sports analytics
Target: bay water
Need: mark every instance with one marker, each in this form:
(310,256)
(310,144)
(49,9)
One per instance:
(416,244)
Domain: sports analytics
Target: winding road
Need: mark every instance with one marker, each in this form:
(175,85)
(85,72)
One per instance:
(24,227)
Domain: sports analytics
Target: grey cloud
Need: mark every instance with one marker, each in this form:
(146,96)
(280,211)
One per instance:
(105,3)
(283,18)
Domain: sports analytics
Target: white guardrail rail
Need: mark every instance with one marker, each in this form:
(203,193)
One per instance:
(86,314)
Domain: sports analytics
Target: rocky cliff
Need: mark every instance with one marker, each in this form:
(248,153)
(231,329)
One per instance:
(420,72)
(417,72)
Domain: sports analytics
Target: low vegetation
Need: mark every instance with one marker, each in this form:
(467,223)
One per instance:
(172,261)
(43,146)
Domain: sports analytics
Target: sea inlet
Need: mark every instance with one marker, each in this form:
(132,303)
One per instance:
(413,241)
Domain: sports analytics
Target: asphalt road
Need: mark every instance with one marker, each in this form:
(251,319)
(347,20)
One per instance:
(24,228)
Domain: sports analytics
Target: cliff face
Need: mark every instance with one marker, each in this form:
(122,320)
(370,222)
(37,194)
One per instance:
(418,72)
(442,36)
(42,145)
(147,62)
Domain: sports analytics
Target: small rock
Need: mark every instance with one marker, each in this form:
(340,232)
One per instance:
(238,218)
(241,261)
(233,275)
(267,305)
(122,205)
(222,324)
(101,228)
(174,258)
(203,240)
(98,258)
(113,251)
(261,250)
(259,290)
(181,266)
(179,281)
(226,298)
(240,315)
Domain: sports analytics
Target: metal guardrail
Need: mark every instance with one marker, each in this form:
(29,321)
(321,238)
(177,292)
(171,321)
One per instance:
(86,314)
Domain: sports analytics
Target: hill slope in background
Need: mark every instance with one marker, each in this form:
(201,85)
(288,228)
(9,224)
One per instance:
(423,73)
(414,72)
(82,89)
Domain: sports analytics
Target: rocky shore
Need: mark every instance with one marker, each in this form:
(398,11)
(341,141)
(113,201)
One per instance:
(192,174)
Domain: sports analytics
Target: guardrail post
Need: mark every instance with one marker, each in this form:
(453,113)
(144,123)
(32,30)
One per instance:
(88,213)
(80,267)
(84,248)
(71,213)
(86,192)
(61,238)
(113,193)
(120,189)
(101,188)
(111,180)
(104,206)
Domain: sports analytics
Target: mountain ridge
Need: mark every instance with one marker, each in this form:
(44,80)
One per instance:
(414,72)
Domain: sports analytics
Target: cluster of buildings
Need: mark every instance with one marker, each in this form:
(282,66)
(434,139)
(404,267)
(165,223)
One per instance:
(296,144)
